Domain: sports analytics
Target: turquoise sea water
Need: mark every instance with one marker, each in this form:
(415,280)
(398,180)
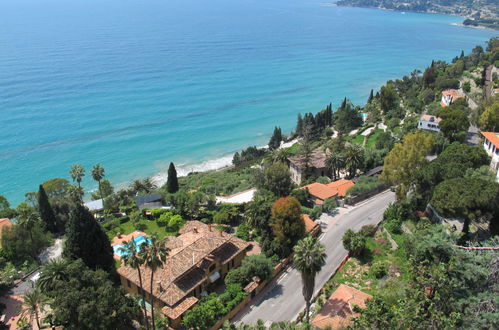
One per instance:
(135,84)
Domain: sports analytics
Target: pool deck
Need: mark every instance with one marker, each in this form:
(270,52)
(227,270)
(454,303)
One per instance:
(118,240)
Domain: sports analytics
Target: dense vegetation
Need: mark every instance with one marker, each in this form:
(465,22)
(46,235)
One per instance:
(479,12)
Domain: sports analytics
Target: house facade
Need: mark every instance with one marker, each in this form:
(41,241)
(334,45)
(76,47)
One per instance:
(316,166)
(450,96)
(430,123)
(491,146)
(198,261)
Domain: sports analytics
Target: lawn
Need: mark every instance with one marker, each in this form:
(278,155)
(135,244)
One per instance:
(148,226)
(358,272)
(359,139)
(371,141)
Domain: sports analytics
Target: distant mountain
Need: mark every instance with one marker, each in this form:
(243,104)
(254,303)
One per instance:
(477,12)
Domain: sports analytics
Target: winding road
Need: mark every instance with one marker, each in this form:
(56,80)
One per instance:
(282,299)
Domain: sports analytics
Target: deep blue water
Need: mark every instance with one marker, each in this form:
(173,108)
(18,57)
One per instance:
(135,84)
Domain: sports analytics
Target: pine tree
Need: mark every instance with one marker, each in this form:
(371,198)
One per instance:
(275,139)
(371,96)
(46,213)
(299,125)
(172,182)
(87,241)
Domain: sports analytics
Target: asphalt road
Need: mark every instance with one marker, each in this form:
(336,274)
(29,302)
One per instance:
(283,300)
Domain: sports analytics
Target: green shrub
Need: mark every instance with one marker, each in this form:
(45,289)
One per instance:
(316,212)
(140,226)
(243,232)
(175,223)
(255,265)
(323,180)
(363,185)
(394,226)
(156,213)
(379,269)
(302,195)
(329,205)
(467,86)
(368,230)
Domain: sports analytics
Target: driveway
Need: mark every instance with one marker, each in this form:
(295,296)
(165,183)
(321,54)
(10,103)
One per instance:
(282,300)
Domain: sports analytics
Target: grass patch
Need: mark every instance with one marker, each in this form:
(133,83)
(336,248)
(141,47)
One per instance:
(293,149)
(150,227)
(359,272)
(359,139)
(373,137)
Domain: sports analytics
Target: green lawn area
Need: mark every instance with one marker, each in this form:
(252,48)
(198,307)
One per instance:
(359,139)
(293,149)
(371,141)
(358,271)
(150,227)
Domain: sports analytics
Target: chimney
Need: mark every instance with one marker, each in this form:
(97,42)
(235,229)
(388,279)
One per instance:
(220,232)
(195,230)
(158,286)
(209,227)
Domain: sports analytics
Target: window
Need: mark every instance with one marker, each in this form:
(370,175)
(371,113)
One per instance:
(212,268)
(128,283)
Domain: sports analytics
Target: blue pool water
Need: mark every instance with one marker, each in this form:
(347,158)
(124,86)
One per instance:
(136,84)
(139,240)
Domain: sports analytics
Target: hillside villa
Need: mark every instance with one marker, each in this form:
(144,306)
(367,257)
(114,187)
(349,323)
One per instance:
(450,96)
(337,312)
(316,166)
(199,259)
(319,192)
(491,146)
(429,122)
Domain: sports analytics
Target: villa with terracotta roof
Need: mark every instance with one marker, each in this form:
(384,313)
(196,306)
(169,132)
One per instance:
(450,96)
(430,123)
(491,146)
(337,312)
(316,166)
(199,259)
(319,192)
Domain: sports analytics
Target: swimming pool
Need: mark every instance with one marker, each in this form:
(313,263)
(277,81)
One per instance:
(139,240)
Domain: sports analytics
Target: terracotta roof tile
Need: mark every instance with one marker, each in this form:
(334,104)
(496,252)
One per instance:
(337,312)
(179,309)
(184,268)
(310,224)
(325,191)
(317,160)
(492,137)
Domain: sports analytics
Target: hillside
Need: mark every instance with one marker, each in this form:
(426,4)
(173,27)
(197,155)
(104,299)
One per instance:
(483,13)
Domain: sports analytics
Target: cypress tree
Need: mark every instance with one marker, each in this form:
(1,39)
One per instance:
(172,182)
(87,241)
(275,139)
(299,125)
(462,54)
(371,96)
(46,213)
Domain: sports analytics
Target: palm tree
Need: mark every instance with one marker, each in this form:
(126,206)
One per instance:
(33,304)
(77,173)
(98,175)
(154,257)
(335,163)
(28,218)
(354,156)
(277,155)
(51,273)
(309,259)
(132,257)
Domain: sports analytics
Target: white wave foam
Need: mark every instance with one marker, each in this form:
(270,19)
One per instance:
(184,169)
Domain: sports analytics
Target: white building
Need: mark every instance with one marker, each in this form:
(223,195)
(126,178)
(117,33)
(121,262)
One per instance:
(449,96)
(491,145)
(429,122)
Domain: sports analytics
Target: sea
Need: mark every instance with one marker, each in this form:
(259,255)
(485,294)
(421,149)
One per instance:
(134,85)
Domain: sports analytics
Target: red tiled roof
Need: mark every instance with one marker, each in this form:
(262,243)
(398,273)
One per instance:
(180,309)
(310,225)
(324,191)
(492,137)
(337,312)
(455,95)
(184,267)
